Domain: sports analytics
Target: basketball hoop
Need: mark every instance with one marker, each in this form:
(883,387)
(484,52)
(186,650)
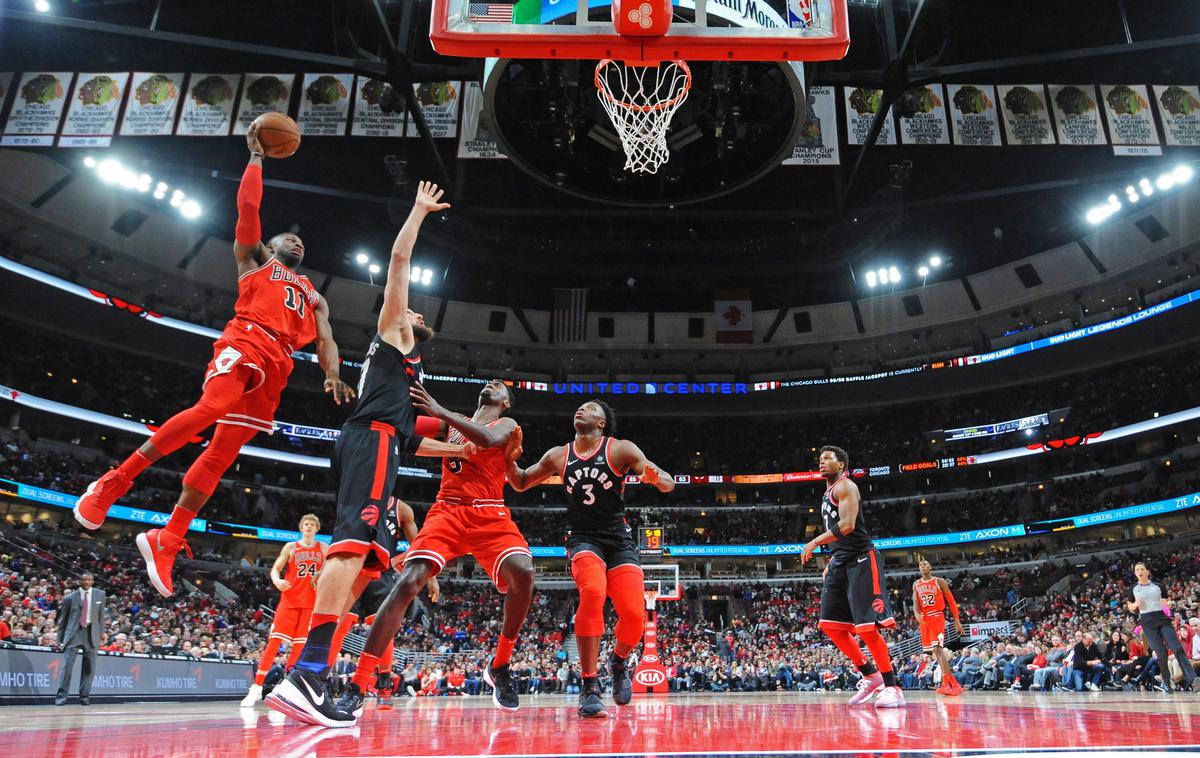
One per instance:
(640,101)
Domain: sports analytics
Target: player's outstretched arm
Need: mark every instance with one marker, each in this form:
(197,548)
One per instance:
(328,357)
(431,448)
(496,435)
(277,568)
(248,248)
(629,457)
(550,464)
(393,316)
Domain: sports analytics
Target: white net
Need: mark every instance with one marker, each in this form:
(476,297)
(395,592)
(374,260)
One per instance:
(640,101)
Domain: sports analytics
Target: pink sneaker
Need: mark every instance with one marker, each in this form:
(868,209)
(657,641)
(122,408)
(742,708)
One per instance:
(158,548)
(867,687)
(891,697)
(93,505)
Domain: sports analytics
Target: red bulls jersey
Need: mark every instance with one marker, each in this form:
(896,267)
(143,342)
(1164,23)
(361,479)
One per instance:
(280,301)
(929,595)
(478,481)
(301,573)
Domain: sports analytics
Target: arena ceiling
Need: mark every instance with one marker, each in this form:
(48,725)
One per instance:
(792,237)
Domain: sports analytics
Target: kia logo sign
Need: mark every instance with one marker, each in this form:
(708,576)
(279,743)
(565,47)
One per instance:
(650,677)
(650,658)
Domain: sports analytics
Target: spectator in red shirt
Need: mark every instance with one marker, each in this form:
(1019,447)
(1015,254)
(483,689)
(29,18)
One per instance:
(5,630)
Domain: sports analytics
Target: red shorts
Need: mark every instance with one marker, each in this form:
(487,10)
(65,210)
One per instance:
(246,344)
(487,533)
(291,622)
(933,631)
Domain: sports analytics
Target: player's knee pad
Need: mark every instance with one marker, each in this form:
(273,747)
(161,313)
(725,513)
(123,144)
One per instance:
(589,574)
(626,587)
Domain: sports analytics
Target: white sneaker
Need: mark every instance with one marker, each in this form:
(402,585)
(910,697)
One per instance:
(253,696)
(1092,686)
(890,697)
(1015,686)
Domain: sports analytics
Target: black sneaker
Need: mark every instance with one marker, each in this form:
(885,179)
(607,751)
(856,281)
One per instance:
(352,701)
(304,697)
(622,685)
(504,691)
(384,687)
(590,704)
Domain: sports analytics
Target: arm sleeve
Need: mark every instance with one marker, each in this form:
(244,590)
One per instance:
(249,198)
(953,606)
(427,426)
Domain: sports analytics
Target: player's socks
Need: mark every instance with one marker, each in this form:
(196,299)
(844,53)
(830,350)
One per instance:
(504,651)
(890,680)
(364,675)
(867,669)
(134,465)
(339,636)
(181,519)
(315,658)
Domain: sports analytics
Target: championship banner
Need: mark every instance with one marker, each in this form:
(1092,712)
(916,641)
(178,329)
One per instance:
(1179,107)
(37,110)
(818,142)
(32,671)
(1026,120)
(1076,114)
(973,115)
(438,102)
(263,93)
(733,318)
(927,124)
(152,104)
(92,115)
(475,141)
(369,119)
(325,105)
(208,106)
(861,106)
(6,80)
(1130,120)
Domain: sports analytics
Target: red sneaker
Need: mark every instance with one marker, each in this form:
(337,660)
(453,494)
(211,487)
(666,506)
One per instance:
(947,687)
(158,548)
(93,505)
(958,688)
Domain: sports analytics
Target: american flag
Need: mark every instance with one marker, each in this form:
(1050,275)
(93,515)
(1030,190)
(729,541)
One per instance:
(490,13)
(570,316)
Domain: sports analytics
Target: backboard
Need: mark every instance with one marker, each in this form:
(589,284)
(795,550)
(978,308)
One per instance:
(662,581)
(700,30)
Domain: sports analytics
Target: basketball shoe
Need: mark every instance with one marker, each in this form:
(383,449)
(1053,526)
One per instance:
(590,704)
(891,697)
(304,697)
(868,686)
(622,685)
(93,505)
(158,549)
(352,701)
(253,696)
(383,690)
(504,690)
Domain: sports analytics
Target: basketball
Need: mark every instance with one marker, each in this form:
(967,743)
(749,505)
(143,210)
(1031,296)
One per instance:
(279,135)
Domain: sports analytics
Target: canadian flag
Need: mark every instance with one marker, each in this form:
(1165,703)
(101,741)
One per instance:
(763,386)
(733,316)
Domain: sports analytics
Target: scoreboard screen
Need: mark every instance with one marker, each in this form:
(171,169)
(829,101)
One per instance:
(650,540)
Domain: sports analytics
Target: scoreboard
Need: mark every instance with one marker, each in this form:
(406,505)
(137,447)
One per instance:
(650,542)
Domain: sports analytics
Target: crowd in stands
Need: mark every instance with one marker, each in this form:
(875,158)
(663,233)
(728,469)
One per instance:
(107,380)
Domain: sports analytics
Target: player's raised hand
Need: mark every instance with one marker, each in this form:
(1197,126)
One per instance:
(342,392)
(513,449)
(435,592)
(252,140)
(424,402)
(429,198)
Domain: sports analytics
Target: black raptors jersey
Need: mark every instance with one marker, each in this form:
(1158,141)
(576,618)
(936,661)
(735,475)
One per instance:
(383,386)
(854,543)
(595,490)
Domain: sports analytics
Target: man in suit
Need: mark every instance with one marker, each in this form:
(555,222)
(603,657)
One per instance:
(80,624)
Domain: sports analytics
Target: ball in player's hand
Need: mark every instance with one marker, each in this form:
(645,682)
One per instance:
(279,135)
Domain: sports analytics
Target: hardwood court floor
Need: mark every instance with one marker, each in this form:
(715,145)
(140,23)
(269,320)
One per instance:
(765,724)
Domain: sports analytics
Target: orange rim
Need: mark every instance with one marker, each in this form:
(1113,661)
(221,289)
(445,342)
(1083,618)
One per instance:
(687,85)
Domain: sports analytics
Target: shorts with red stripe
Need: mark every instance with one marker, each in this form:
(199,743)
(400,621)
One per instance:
(487,533)
(291,622)
(854,595)
(933,631)
(364,465)
(244,343)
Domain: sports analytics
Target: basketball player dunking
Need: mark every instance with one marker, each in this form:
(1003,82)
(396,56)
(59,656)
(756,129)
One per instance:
(277,312)
(931,597)
(604,557)
(365,465)
(468,517)
(854,599)
(294,574)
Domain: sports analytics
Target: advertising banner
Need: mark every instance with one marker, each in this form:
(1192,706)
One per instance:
(92,115)
(37,109)
(152,104)
(973,115)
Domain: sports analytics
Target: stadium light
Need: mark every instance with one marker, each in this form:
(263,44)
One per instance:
(190,209)
(109,171)
(894,273)
(935,260)
(374,268)
(89,161)
(41,6)
(1183,173)
(1145,187)
(143,183)
(416,274)
(883,275)
(427,277)
(872,279)
(361,259)
(923,271)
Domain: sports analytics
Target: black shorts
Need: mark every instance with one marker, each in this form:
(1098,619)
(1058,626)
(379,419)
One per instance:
(365,462)
(374,594)
(615,549)
(855,596)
